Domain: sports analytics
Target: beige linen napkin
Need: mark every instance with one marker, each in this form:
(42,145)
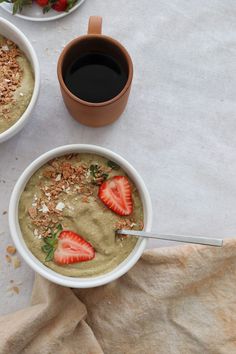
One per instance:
(175,300)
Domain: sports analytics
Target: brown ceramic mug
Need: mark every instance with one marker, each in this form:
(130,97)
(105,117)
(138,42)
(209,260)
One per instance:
(89,113)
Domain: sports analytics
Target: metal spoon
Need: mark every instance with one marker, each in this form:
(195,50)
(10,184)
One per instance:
(179,238)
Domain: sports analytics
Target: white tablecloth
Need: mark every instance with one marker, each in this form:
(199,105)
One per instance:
(179,129)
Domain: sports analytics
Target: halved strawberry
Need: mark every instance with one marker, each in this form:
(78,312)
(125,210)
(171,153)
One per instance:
(116,194)
(72,248)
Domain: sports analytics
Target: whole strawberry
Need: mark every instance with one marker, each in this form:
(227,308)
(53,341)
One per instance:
(60,5)
(47,5)
(42,3)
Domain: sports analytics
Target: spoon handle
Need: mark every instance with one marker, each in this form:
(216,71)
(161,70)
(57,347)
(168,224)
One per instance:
(179,238)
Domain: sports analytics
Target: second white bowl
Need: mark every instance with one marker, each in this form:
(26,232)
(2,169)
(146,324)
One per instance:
(8,30)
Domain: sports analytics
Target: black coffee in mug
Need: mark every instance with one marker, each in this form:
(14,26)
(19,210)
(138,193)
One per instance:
(95,77)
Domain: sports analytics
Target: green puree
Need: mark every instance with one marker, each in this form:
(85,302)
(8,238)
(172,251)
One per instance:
(22,95)
(91,219)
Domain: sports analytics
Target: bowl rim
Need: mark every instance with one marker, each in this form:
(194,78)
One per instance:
(19,124)
(33,262)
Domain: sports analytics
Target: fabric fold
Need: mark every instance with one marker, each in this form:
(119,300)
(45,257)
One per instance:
(54,323)
(175,300)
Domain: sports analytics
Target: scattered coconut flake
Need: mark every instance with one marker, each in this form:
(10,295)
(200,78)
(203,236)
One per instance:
(48,195)
(5,48)
(58,178)
(44,208)
(133,224)
(36,232)
(34,204)
(21,94)
(60,206)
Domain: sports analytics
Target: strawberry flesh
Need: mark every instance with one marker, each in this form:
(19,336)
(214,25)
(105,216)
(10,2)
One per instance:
(72,248)
(116,194)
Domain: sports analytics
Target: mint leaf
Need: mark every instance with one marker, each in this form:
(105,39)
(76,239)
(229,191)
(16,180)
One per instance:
(46,9)
(19,4)
(71,3)
(51,243)
(113,165)
(59,227)
(105,176)
(50,255)
(97,173)
(49,240)
(46,248)
(94,170)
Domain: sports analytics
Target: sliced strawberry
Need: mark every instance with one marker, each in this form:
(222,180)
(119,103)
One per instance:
(72,248)
(116,194)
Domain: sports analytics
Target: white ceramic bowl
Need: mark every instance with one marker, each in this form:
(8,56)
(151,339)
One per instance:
(11,32)
(76,282)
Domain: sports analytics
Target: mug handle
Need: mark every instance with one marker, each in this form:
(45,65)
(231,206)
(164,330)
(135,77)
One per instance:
(95,25)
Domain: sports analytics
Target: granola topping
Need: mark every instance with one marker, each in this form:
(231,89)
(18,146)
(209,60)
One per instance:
(10,74)
(63,178)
